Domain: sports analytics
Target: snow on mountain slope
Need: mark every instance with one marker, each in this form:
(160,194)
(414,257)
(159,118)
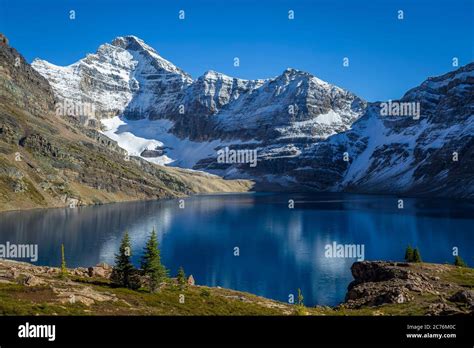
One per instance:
(294,102)
(159,82)
(214,90)
(205,98)
(398,154)
(139,136)
(103,78)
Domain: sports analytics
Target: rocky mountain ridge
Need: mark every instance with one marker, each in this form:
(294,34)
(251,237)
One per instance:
(307,133)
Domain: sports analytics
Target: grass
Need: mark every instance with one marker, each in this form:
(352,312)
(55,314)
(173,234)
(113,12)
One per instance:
(460,275)
(20,300)
(42,300)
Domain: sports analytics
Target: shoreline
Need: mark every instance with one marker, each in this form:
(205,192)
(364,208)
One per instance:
(132,201)
(225,193)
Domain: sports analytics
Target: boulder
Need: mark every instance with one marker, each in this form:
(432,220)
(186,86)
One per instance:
(463,296)
(442,309)
(191,280)
(31,280)
(101,270)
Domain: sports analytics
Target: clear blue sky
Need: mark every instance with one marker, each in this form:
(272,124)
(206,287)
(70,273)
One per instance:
(387,56)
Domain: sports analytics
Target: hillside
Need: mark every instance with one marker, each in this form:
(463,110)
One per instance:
(50,161)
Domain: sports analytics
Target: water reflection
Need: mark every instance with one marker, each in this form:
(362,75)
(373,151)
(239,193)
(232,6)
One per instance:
(281,249)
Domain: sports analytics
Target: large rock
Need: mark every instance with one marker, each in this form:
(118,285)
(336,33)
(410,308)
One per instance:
(191,280)
(31,280)
(101,270)
(367,271)
(463,296)
(377,283)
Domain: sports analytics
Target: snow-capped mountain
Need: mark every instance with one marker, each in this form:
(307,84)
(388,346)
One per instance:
(432,154)
(126,77)
(306,132)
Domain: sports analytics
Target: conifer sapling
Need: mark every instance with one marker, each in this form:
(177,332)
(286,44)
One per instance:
(151,263)
(123,269)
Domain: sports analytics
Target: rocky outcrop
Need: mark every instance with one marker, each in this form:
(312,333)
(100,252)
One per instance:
(378,283)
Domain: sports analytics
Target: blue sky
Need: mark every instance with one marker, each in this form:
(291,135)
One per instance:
(387,56)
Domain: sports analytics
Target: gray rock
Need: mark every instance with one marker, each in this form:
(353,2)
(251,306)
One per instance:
(191,280)
(463,296)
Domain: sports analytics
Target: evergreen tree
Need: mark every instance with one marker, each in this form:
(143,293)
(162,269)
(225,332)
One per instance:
(181,277)
(151,263)
(409,254)
(300,308)
(416,255)
(63,262)
(458,261)
(123,269)
(300,298)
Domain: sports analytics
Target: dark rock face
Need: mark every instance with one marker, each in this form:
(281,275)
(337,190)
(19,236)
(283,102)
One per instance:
(22,85)
(152,153)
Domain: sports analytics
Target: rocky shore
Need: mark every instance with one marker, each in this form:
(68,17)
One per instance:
(379,288)
(379,283)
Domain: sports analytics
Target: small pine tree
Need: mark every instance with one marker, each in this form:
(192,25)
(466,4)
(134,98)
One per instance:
(151,263)
(181,277)
(458,261)
(409,254)
(300,298)
(123,269)
(416,255)
(300,309)
(63,262)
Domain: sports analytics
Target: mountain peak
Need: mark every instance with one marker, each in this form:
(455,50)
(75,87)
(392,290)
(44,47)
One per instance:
(215,75)
(293,71)
(131,42)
